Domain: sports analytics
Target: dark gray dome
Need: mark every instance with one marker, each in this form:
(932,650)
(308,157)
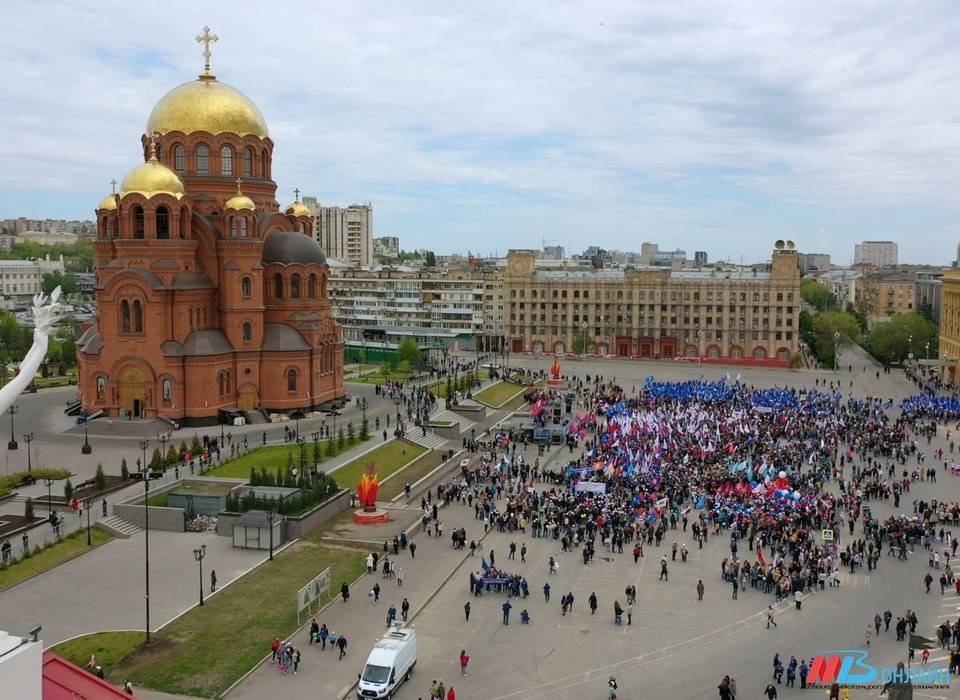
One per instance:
(287,247)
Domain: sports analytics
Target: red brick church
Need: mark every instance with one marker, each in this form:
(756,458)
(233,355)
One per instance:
(209,298)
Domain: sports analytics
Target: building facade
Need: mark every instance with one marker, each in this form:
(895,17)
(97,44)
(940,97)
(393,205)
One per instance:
(748,317)
(881,295)
(344,233)
(843,285)
(210,298)
(949,341)
(20,280)
(929,295)
(386,247)
(814,262)
(875,254)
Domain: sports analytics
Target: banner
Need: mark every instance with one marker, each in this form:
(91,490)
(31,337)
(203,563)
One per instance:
(591,486)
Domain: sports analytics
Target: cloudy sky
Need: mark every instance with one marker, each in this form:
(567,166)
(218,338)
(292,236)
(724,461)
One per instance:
(489,125)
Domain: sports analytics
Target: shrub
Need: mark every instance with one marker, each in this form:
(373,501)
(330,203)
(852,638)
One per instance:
(28,510)
(67,491)
(124,471)
(340,439)
(100,479)
(351,437)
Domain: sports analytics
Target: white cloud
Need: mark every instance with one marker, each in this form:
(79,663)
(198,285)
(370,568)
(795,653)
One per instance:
(597,122)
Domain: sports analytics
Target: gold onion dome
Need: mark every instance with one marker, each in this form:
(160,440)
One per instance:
(206,104)
(108,203)
(298,208)
(240,201)
(152,178)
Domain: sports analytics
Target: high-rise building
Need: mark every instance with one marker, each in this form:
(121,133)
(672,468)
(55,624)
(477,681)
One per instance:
(875,253)
(700,258)
(709,315)
(344,233)
(211,300)
(552,252)
(386,247)
(814,262)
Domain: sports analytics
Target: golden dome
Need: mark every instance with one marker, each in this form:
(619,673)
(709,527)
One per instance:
(206,104)
(240,201)
(152,178)
(108,203)
(298,208)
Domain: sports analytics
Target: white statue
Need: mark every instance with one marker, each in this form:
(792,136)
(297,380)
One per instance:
(45,314)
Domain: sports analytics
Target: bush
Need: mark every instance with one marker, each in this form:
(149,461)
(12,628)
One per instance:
(331,448)
(365,429)
(351,437)
(124,471)
(28,510)
(100,479)
(67,491)
(341,441)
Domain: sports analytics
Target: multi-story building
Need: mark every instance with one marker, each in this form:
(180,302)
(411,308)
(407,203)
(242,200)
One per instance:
(843,285)
(949,341)
(745,316)
(552,252)
(875,254)
(700,258)
(23,225)
(881,295)
(814,262)
(344,233)
(929,295)
(22,279)
(669,258)
(386,247)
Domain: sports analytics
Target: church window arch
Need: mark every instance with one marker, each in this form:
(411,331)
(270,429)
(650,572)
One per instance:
(278,285)
(179,158)
(295,286)
(184,223)
(138,224)
(233,227)
(246,288)
(248,162)
(264,172)
(124,316)
(226,160)
(243,227)
(163,223)
(203,160)
(191,318)
(312,287)
(137,316)
(291,380)
(247,332)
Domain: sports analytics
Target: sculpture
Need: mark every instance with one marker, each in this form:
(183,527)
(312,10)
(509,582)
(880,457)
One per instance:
(367,489)
(46,311)
(555,369)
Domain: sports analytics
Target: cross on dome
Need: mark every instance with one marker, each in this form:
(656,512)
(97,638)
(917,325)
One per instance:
(206,39)
(113,185)
(296,195)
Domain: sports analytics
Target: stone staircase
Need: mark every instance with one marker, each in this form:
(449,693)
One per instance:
(119,527)
(444,415)
(431,440)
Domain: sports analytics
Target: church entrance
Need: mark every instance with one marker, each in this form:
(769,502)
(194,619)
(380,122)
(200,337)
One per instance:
(248,398)
(133,391)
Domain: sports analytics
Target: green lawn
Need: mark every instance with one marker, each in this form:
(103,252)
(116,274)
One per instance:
(389,457)
(10,481)
(40,560)
(439,389)
(411,474)
(110,648)
(274,458)
(498,394)
(206,650)
(377,377)
(516,402)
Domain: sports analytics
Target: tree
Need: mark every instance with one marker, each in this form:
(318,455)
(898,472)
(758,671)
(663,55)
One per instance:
(67,491)
(316,451)
(341,441)
(331,447)
(28,510)
(124,471)
(51,280)
(582,342)
(156,459)
(351,436)
(429,259)
(408,351)
(100,479)
(892,341)
(818,295)
(172,455)
(364,429)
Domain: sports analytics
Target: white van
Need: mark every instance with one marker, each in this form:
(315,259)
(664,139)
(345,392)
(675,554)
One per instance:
(390,663)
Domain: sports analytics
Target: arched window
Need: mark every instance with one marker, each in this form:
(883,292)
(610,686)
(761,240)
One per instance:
(221,382)
(243,227)
(233,227)
(312,287)
(138,229)
(248,162)
(184,223)
(179,159)
(228,380)
(295,287)
(291,380)
(247,332)
(124,316)
(226,161)
(137,316)
(163,222)
(278,286)
(203,160)
(191,319)
(263,164)
(246,288)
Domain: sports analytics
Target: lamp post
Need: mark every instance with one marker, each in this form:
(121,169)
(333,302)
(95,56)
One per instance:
(910,346)
(926,350)
(316,447)
(87,505)
(836,345)
(271,514)
(85,449)
(303,455)
(583,342)
(199,554)
(146,540)
(162,438)
(12,445)
(28,438)
(297,420)
(49,484)
(363,407)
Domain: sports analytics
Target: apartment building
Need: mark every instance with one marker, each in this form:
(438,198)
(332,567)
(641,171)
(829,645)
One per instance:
(949,341)
(881,295)
(875,254)
(344,233)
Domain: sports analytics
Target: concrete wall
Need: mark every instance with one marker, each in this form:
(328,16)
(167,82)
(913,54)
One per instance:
(171,519)
(297,527)
(474,413)
(451,432)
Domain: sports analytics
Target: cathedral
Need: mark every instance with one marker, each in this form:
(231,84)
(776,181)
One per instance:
(211,302)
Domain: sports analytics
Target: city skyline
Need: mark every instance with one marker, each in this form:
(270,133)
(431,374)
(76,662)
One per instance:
(507,127)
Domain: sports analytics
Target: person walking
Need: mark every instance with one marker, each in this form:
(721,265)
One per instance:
(464,660)
(700,589)
(736,587)
(342,646)
(593,603)
(466,611)
(506,612)
(546,592)
(663,568)
(404,609)
(770,614)
(629,611)
(213,581)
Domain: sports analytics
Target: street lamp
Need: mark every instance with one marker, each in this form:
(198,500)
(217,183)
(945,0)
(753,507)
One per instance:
(199,554)
(836,344)
(28,438)
(146,523)
(85,449)
(162,437)
(303,455)
(910,346)
(926,350)
(296,418)
(87,505)
(49,483)
(271,514)
(12,445)
(316,447)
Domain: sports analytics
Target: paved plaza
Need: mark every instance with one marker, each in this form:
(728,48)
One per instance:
(676,647)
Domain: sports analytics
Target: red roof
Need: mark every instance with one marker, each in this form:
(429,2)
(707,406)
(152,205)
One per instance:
(64,681)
